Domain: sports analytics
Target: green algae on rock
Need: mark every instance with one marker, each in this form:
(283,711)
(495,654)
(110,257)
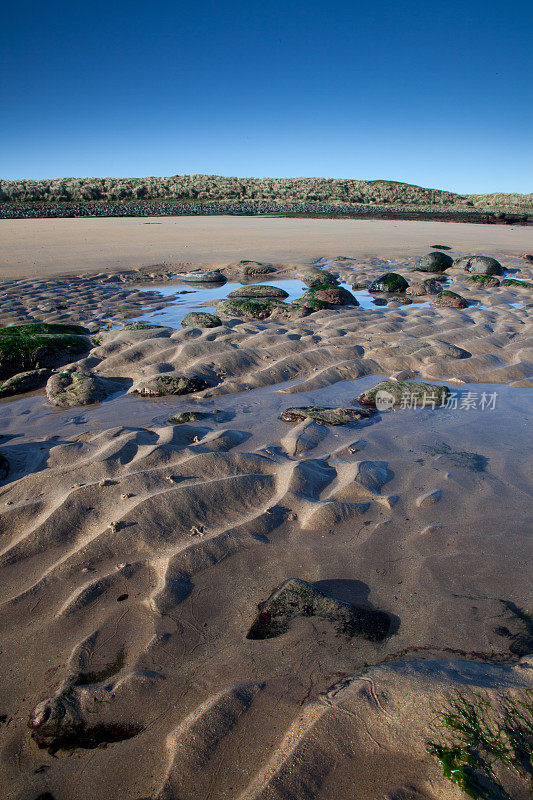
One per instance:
(258,291)
(486,281)
(251,268)
(479,265)
(389,394)
(200,319)
(169,384)
(38,345)
(449,299)
(296,598)
(518,284)
(77,387)
(325,416)
(332,295)
(24,382)
(389,282)
(260,309)
(434,262)
(315,277)
(187,416)
(144,326)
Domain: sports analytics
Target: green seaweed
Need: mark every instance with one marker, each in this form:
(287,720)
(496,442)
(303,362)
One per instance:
(513,282)
(483,279)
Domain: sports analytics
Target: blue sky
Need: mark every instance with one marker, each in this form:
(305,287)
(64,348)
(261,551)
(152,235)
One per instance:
(438,94)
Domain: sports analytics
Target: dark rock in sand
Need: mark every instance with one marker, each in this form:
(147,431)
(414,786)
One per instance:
(440,247)
(389,282)
(333,295)
(297,598)
(479,265)
(326,416)
(261,309)
(448,299)
(518,284)
(187,416)
(485,281)
(429,286)
(200,319)
(251,268)
(173,383)
(40,345)
(24,382)
(4,467)
(319,277)
(392,393)
(77,387)
(380,301)
(401,299)
(434,262)
(143,326)
(258,291)
(528,257)
(204,276)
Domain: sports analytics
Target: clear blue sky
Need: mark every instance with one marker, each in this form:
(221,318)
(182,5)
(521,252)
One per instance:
(438,94)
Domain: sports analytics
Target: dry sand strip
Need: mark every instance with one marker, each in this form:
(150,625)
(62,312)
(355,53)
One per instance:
(49,247)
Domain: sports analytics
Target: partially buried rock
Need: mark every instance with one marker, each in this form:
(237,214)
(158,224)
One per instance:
(518,284)
(258,291)
(449,299)
(187,416)
(390,394)
(200,319)
(261,309)
(251,268)
(389,282)
(204,276)
(485,281)
(429,286)
(479,265)
(40,345)
(333,295)
(143,326)
(77,387)
(326,416)
(4,467)
(319,277)
(24,382)
(434,262)
(167,384)
(297,598)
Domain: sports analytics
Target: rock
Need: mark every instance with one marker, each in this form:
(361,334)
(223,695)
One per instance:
(380,301)
(448,299)
(143,326)
(440,247)
(434,262)
(4,467)
(251,268)
(485,281)
(528,257)
(24,382)
(326,416)
(257,291)
(187,416)
(204,276)
(400,300)
(333,295)
(389,394)
(389,282)
(429,286)
(200,319)
(39,345)
(297,598)
(172,383)
(518,284)
(361,285)
(479,265)
(319,277)
(261,309)
(442,348)
(77,387)
(429,498)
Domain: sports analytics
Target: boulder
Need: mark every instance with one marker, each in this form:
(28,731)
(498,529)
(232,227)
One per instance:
(200,319)
(389,394)
(389,282)
(325,416)
(319,277)
(24,382)
(171,384)
(39,345)
(333,295)
(429,286)
(434,262)
(449,299)
(479,265)
(261,309)
(251,268)
(77,387)
(485,281)
(204,276)
(258,291)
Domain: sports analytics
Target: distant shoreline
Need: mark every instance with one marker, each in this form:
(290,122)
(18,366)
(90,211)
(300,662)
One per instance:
(65,209)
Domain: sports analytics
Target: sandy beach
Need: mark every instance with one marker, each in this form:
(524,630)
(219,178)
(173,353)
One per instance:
(139,651)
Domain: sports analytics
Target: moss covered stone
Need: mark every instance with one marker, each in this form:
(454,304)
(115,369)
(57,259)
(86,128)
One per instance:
(77,387)
(394,393)
(332,295)
(143,326)
(24,382)
(258,292)
(434,262)
(389,282)
(319,277)
(261,309)
(479,265)
(187,416)
(39,345)
(486,281)
(251,268)
(325,416)
(200,319)
(519,284)
(172,384)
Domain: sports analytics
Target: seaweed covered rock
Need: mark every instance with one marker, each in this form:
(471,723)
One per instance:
(204,276)
(171,383)
(389,282)
(449,299)
(479,265)
(319,277)
(143,326)
(260,309)
(518,284)
(258,291)
(252,268)
(24,382)
(297,598)
(333,295)
(419,288)
(200,319)
(77,387)
(188,416)
(434,262)
(39,345)
(325,416)
(485,281)
(390,394)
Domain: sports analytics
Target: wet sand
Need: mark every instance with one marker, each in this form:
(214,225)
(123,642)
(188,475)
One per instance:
(50,247)
(134,552)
